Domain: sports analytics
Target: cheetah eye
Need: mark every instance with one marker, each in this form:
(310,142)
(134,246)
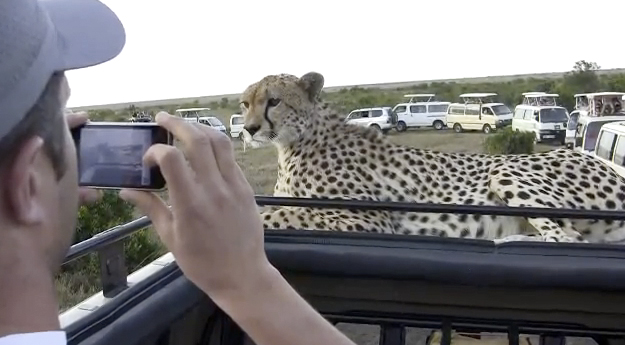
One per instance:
(273,102)
(245,104)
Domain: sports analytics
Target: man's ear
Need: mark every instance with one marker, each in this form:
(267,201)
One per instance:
(312,83)
(24,182)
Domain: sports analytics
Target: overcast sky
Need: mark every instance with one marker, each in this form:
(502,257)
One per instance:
(187,48)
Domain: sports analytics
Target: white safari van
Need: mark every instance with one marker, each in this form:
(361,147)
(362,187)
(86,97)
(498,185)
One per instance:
(540,114)
(421,110)
(236,126)
(610,147)
(201,115)
(592,110)
(587,132)
(478,111)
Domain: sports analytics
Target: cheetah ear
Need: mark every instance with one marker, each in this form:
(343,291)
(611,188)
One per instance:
(312,83)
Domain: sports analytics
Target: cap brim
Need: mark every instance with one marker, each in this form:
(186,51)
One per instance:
(89,32)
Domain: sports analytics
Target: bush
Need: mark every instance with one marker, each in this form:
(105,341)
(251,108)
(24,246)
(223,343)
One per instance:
(81,278)
(507,141)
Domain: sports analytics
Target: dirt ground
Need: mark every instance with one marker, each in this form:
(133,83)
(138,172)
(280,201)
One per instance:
(260,166)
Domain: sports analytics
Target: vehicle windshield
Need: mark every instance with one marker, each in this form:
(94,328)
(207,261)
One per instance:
(592,133)
(573,121)
(501,109)
(237,120)
(553,115)
(215,121)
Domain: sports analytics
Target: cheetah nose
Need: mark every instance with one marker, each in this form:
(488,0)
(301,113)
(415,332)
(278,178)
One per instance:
(252,129)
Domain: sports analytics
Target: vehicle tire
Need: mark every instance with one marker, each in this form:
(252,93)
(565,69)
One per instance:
(487,129)
(401,126)
(438,125)
(376,127)
(457,128)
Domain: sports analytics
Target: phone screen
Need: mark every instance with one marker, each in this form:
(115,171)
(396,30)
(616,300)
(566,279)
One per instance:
(111,155)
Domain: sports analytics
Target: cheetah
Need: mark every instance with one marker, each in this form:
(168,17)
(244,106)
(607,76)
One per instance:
(320,156)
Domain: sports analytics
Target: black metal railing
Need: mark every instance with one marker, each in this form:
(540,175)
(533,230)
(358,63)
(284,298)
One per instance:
(109,245)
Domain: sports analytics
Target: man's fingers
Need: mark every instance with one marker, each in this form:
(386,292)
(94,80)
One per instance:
(76,119)
(224,155)
(88,195)
(196,145)
(175,170)
(152,206)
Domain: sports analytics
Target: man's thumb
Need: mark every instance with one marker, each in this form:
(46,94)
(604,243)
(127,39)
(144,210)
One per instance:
(151,205)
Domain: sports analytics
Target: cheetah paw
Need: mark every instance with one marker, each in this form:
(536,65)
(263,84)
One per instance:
(516,238)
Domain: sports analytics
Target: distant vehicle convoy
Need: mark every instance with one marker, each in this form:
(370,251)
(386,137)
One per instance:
(539,113)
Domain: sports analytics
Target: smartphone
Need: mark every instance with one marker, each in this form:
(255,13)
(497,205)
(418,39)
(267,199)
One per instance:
(110,155)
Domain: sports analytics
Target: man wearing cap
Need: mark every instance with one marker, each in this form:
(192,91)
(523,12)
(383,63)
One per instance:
(217,248)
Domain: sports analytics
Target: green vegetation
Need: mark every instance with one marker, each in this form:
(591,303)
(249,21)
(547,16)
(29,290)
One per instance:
(507,141)
(80,279)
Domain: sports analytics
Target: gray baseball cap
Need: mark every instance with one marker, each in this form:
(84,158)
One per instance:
(41,37)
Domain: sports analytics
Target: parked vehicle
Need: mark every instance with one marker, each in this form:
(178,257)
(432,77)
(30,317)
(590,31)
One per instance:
(141,117)
(236,126)
(478,111)
(540,114)
(422,110)
(380,118)
(203,116)
(587,131)
(610,147)
(603,107)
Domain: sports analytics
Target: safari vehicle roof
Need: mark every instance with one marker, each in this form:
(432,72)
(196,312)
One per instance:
(616,127)
(589,119)
(551,289)
(474,97)
(586,103)
(535,97)
(372,108)
(192,109)
(422,99)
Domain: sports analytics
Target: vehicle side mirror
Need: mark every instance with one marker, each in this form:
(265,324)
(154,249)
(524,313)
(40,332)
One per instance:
(536,118)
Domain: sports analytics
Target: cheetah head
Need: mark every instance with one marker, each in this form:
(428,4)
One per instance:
(278,108)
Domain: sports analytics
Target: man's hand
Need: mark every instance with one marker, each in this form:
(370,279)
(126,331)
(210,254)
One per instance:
(85,195)
(213,229)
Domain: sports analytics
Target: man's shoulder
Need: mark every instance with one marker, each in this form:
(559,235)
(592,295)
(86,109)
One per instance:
(48,338)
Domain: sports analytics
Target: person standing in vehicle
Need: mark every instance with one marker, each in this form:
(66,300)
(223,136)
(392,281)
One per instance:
(39,195)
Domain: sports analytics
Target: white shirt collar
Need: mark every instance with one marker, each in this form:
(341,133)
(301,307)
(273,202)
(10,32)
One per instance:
(48,338)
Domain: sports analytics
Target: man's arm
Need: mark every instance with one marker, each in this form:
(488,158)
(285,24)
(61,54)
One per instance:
(272,313)
(216,235)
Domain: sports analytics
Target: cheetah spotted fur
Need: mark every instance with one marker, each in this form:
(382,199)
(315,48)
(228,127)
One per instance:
(320,156)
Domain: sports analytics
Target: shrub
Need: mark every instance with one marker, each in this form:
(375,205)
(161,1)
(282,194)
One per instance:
(81,278)
(507,141)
